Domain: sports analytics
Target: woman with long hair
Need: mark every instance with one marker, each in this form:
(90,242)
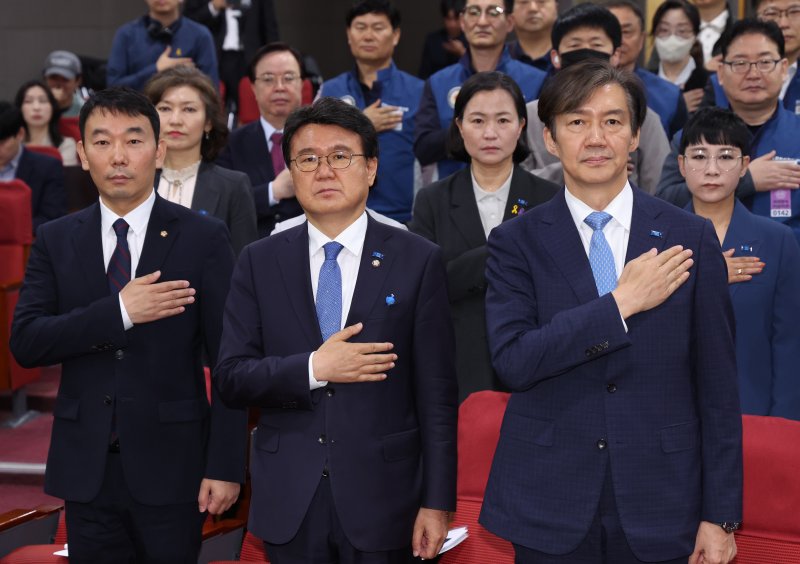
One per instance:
(40,114)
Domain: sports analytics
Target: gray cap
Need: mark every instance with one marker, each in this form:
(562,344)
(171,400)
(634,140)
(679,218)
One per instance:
(62,63)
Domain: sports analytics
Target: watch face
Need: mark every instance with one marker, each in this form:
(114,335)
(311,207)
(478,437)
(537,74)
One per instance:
(730,527)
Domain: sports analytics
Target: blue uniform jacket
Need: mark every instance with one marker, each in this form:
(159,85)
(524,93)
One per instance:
(134,53)
(439,96)
(665,99)
(393,193)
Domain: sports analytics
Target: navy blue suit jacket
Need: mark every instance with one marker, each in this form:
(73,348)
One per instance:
(171,439)
(45,177)
(657,403)
(247,151)
(390,446)
(767,311)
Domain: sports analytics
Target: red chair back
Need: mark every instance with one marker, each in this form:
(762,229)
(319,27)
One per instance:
(46,150)
(16,229)
(69,127)
(248,108)
(479,421)
(253,549)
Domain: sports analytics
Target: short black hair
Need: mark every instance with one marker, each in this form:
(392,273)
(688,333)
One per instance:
(52,125)
(384,7)
(629,4)
(486,82)
(716,126)
(581,81)
(274,47)
(331,111)
(689,9)
(447,6)
(508,6)
(752,26)
(10,120)
(120,100)
(590,16)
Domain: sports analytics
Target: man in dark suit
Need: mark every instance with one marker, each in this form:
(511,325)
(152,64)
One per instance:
(276,72)
(354,459)
(44,175)
(136,451)
(622,438)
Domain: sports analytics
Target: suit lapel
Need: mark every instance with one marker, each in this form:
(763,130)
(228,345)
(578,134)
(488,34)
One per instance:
(296,274)
(371,278)
(258,152)
(520,196)
(464,210)
(740,238)
(163,229)
(206,194)
(88,244)
(647,229)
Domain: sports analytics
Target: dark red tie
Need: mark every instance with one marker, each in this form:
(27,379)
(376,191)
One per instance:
(276,152)
(119,267)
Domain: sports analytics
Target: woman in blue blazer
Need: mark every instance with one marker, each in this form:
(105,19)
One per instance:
(763,259)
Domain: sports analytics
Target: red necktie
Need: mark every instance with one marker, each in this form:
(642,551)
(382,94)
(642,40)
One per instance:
(278,163)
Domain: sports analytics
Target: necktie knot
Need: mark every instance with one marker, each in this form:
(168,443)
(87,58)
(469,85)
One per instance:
(597,220)
(121,228)
(332,250)
(276,138)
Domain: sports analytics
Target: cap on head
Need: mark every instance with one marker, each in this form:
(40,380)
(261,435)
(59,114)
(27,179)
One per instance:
(62,63)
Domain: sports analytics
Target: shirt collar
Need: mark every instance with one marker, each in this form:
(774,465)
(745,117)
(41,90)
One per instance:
(501,193)
(352,238)
(620,208)
(718,23)
(137,218)
(268,129)
(13,164)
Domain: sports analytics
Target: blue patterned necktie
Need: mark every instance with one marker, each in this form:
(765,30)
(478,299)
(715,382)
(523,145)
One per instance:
(329,292)
(119,267)
(600,256)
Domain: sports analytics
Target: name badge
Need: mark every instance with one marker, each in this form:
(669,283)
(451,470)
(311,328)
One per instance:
(780,201)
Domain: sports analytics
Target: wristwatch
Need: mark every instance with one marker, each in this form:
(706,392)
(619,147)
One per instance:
(729,527)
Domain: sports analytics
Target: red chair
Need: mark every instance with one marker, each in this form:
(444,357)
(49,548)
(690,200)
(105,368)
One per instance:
(69,127)
(771,525)
(248,108)
(41,553)
(252,551)
(479,420)
(46,150)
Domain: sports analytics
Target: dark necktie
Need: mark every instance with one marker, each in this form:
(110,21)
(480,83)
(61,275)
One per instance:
(276,152)
(119,267)
(329,292)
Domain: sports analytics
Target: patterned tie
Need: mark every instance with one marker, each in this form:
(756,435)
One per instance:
(600,256)
(119,267)
(276,152)
(329,292)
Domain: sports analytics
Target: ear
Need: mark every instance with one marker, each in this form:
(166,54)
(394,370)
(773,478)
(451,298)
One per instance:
(550,143)
(614,60)
(461,23)
(396,37)
(82,156)
(372,170)
(634,144)
(682,165)
(555,59)
(458,123)
(745,164)
(161,153)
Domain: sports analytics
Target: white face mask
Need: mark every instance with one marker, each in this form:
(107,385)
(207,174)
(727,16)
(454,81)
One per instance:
(673,49)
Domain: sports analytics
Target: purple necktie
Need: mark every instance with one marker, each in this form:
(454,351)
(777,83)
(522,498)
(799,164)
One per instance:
(119,267)
(278,163)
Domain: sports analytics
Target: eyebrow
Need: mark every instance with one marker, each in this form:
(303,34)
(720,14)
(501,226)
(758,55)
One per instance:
(102,131)
(761,54)
(335,148)
(584,111)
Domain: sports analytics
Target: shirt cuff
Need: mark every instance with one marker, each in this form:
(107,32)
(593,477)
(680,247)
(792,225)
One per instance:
(212,9)
(126,320)
(272,200)
(313,383)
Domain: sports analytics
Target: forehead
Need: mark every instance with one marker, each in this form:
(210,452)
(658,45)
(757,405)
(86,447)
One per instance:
(321,139)
(675,16)
(277,62)
(371,19)
(752,44)
(116,123)
(604,99)
(780,4)
(35,91)
(184,92)
(624,14)
(485,3)
(491,101)
(587,35)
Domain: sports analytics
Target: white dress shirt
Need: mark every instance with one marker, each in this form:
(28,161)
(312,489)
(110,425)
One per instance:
(137,220)
(791,71)
(491,205)
(349,259)
(268,131)
(683,76)
(710,33)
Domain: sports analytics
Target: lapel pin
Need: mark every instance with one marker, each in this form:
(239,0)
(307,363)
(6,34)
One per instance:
(163,233)
(377,256)
(747,248)
(202,212)
(391,300)
(519,207)
(657,234)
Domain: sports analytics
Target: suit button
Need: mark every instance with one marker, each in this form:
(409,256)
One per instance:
(322,439)
(588,352)
(330,392)
(602,444)
(107,400)
(119,354)
(611,388)
(278,217)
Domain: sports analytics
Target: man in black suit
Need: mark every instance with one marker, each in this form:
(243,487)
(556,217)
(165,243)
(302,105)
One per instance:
(276,72)
(339,330)
(44,175)
(136,451)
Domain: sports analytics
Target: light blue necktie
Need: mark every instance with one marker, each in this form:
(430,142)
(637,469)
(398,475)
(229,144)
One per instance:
(329,292)
(600,256)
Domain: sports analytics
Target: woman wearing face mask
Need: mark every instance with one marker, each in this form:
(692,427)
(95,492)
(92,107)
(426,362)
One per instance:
(675,26)
(194,129)
(458,212)
(763,260)
(38,107)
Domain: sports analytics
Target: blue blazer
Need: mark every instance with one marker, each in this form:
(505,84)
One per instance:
(247,151)
(767,310)
(656,405)
(388,447)
(171,438)
(45,177)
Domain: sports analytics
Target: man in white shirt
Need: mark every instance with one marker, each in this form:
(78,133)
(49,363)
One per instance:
(339,330)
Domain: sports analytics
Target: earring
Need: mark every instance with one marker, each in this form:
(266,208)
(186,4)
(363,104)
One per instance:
(208,136)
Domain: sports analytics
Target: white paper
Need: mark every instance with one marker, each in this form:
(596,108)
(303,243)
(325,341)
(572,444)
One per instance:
(454,538)
(62,552)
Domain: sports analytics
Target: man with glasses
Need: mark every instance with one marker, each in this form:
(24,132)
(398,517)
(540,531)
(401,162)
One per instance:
(486,24)
(751,75)
(388,96)
(276,73)
(339,330)
(533,22)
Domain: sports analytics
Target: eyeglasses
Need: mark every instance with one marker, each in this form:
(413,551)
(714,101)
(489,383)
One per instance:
(698,161)
(682,32)
(271,80)
(773,14)
(336,160)
(743,67)
(474,12)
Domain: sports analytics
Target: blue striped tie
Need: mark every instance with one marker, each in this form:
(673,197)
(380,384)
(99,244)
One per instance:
(600,256)
(329,292)
(119,267)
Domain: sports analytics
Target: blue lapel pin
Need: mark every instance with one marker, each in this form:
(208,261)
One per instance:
(519,207)
(391,300)
(657,234)
(746,248)
(377,257)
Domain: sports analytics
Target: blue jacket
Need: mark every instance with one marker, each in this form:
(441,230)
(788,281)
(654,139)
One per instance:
(779,133)
(790,99)
(438,98)
(766,309)
(665,99)
(134,53)
(393,193)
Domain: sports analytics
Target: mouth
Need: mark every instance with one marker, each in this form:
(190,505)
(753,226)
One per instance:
(175,134)
(597,160)
(118,178)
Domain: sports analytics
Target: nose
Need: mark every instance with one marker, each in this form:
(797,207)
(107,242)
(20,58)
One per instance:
(595,134)
(712,167)
(324,170)
(119,155)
